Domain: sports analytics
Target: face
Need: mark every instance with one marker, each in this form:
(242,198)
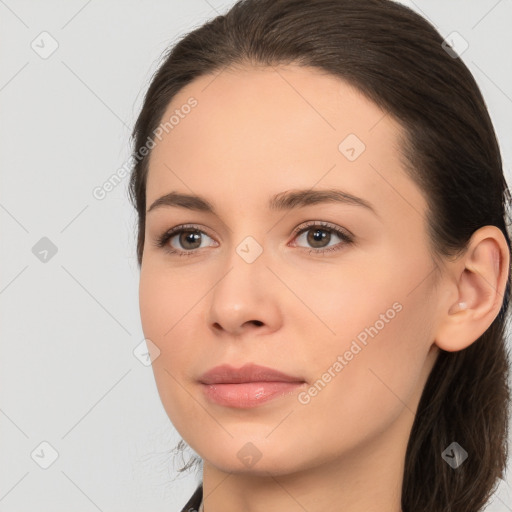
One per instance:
(337,291)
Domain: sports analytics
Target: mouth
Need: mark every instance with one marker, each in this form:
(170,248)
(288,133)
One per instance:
(248,386)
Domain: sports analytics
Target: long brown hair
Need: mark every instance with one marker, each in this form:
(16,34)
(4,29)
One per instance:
(398,60)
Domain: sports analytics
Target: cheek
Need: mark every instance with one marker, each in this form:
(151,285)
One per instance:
(366,296)
(166,311)
(164,304)
(164,300)
(378,386)
(375,336)
(382,367)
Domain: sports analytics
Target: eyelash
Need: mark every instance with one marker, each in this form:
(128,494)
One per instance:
(346,238)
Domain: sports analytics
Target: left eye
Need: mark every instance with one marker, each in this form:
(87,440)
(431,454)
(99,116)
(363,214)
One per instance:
(320,236)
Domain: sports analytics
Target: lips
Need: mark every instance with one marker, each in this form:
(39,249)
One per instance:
(226,374)
(248,386)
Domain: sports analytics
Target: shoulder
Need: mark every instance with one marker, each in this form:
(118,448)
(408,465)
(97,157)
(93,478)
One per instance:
(194,502)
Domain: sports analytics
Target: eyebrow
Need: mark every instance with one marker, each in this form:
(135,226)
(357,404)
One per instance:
(287,200)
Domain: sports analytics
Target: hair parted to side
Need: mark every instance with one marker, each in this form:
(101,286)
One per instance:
(394,57)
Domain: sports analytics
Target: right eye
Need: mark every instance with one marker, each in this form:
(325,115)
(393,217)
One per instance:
(190,238)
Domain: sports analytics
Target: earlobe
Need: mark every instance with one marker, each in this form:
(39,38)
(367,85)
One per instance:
(480,277)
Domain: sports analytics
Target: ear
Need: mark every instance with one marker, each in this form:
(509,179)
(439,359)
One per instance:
(476,290)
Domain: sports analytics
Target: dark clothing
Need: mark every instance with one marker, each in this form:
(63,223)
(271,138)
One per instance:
(194,502)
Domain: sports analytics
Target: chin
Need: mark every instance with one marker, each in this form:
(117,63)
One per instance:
(255,455)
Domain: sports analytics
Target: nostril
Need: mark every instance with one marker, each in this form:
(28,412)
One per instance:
(258,323)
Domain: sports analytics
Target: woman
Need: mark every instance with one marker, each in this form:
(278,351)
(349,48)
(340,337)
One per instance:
(325,260)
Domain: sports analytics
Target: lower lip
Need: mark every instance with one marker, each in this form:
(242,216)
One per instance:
(248,394)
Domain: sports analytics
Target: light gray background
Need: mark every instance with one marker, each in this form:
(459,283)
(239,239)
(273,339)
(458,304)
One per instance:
(68,375)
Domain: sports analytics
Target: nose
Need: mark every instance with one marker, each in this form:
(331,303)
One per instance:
(245,300)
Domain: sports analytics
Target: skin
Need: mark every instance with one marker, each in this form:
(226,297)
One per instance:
(256,132)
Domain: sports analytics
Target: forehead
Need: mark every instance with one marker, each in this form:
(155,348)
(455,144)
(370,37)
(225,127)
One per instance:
(287,127)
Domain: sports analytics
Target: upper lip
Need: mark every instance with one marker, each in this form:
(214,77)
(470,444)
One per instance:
(226,374)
